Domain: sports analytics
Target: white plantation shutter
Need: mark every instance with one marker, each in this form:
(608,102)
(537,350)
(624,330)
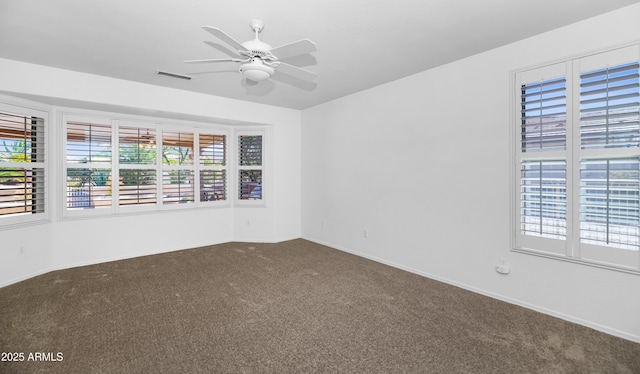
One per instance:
(608,166)
(88,143)
(213,167)
(22,167)
(177,186)
(213,150)
(178,167)
(250,154)
(88,165)
(137,145)
(578,159)
(544,115)
(609,107)
(250,150)
(177,148)
(609,204)
(544,199)
(542,159)
(137,187)
(137,155)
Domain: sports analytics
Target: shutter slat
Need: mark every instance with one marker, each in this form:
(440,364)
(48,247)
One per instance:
(606,80)
(614,70)
(604,100)
(614,89)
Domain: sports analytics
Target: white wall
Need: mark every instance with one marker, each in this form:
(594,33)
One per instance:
(63,243)
(396,160)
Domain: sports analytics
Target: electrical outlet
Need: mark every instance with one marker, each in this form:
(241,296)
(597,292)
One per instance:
(21,250)
(323,224)
(365,233)
(503,266)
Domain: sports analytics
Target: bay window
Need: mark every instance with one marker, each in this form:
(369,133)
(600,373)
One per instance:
(117,166)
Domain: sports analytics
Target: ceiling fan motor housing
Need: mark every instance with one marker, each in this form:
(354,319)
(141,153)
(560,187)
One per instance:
(257,47)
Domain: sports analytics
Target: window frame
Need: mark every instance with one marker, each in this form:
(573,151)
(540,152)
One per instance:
(571,249)
(23,219)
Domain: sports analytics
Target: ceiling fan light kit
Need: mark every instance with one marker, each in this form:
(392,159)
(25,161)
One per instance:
(259,61)
(256,70)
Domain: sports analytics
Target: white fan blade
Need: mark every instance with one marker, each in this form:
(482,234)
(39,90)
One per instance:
(295,71)
(225,37)
(222,49)
(301,61)
(214,60)
(293,49)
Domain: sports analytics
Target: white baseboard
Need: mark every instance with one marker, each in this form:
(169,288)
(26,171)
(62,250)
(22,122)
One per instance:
(96,261)
(25,277)
(124,257)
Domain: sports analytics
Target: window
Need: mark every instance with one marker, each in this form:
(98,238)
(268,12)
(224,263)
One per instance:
(88,160)
(577,158)
(177,167)
(137,160)
(250,166)
(23,179)
(213,163)
(116,166)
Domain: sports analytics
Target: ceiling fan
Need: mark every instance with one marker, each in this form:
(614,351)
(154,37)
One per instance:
(259,60)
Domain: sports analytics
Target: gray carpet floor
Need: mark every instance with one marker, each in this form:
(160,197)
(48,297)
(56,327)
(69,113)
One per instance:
(292,307)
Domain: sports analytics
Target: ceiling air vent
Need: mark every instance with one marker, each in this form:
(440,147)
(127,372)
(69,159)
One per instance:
(173,75)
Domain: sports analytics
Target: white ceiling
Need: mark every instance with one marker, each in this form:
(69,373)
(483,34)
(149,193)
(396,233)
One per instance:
(361,43)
